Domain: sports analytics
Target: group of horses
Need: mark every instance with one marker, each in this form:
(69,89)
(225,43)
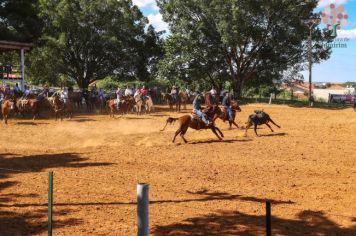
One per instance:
(35,105)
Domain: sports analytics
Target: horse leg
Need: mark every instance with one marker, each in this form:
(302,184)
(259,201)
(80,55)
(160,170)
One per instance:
(269,127)
(213,128)
(179,130)
(233,122)
(255,128)
(184,130)
(247,127)
(221,134)
(274,123)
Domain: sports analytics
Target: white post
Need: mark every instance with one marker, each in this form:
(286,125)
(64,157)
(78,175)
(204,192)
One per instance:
(270,98)
(22,69)
(142,210)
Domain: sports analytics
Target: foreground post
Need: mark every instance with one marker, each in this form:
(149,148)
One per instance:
(50,201)
(268,219)
(142,210)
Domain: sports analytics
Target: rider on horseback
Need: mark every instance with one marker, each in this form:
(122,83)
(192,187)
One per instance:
(197,108)
(118,97)
(174,93)
(226,103)
(144,93)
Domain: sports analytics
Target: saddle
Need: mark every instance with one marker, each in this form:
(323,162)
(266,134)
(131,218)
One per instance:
(194,117)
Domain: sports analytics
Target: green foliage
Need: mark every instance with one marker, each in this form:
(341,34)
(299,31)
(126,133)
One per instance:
(236,40)
(19,20)
(90,40)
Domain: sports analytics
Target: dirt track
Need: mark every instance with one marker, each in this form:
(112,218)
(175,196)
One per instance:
(307,169)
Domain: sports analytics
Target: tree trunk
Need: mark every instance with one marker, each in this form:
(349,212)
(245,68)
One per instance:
(83,84)
(237,86)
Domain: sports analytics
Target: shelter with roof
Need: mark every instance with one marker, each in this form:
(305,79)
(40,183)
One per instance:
(12,73)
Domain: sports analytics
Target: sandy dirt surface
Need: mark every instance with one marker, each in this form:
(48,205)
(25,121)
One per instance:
(307,169)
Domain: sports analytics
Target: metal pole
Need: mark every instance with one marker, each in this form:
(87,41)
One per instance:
(142,210)
(310,65)
(50,201)
(268,219)
(22,68)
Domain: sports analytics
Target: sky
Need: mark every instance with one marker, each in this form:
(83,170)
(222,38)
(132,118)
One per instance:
(341,66)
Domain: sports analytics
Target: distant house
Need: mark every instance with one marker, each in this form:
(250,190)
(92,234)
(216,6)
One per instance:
(298,90)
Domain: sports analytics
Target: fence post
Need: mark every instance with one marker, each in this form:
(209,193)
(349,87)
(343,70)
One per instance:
(268,219)
(142,210)
(50,201)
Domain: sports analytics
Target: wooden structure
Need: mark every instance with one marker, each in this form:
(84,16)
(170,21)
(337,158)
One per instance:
(10,45)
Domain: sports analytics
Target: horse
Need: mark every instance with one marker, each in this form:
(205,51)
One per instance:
(225,116)
(184,99)
(355,104)
(210,100)
(6,107)
(191,121)
(30,105)
(171,102)
(58,107)
(149,107)
(146,102)
(77,98)
(259,118)
(127,103)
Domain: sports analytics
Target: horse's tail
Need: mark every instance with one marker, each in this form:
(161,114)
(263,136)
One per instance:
(170,120)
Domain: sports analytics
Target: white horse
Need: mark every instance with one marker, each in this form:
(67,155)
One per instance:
(147,102)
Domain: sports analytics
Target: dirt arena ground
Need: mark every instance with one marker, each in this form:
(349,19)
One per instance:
(307,169)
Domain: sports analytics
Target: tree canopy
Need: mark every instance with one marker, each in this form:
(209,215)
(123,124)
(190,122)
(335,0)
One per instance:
(90,40)
(19,20)
(238,40)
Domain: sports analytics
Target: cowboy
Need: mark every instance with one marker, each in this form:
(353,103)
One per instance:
(144,92)
(27,92)
(128,91)
(64,96)
(197,108)
(226,103)
(45,90)
(101,94)
(118,97)
(174,93)
(213,93)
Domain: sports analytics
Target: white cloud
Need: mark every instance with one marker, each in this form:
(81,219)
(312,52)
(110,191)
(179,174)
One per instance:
(151,4)
(350,34)
(157,21)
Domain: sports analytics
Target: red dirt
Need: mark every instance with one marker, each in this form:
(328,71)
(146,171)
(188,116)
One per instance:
(306,169)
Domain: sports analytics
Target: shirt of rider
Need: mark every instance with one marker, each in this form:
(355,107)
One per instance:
(128,92)
(213,92)
(174,91)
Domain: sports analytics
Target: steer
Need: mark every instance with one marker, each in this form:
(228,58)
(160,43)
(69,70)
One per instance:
(259,118)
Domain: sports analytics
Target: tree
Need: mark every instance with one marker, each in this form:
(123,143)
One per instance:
(19,20)
(240,38)
(90,40)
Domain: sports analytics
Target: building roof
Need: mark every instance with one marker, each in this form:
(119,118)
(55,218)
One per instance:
(14,45)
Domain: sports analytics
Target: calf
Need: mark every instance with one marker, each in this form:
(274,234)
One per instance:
(259,118)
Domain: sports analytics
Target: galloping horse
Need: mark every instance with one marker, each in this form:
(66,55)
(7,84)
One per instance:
(191,121)
(171,102)
(58,107)
(7,105)
(224,116)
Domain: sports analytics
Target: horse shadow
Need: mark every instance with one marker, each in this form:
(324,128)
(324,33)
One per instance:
(218,141)
(273,134)
(31,123)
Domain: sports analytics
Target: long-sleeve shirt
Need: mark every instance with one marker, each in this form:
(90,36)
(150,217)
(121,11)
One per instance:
(226,102)
(197,102)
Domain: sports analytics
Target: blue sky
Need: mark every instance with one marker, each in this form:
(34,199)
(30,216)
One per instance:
(341,66)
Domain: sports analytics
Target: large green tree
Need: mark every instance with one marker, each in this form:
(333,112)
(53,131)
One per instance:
(90,40)
(19,20)
(242,39)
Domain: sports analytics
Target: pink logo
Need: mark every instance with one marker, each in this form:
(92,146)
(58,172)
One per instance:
(334,15)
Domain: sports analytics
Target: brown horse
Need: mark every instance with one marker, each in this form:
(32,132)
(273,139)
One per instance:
(69,108)
(127,104)
(6,107)
(58,107)
(184,99)
(190,121)
(210,100)
(171,102)
(28,105)
(224,116)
